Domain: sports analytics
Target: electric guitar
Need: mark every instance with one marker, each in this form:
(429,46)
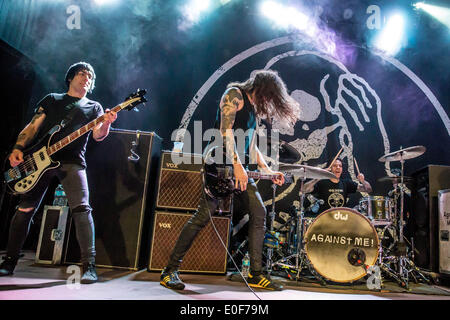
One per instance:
(37,159)
(218,179)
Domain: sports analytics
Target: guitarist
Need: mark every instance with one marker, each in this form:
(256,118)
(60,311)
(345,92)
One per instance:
(75,110)
(263,95)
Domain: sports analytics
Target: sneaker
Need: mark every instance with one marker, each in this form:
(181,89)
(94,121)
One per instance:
(262,282)
(171,280)
(7,266)
(89,274)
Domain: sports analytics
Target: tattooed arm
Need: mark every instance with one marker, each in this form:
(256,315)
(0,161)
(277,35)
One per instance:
(26,136)
(231,102)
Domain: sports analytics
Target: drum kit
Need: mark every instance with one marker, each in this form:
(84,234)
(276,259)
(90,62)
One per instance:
(341,244)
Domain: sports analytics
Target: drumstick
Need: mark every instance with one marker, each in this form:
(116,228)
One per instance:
(336,157)
(357,168)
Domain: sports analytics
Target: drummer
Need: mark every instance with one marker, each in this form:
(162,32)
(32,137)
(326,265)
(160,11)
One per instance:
(334,192)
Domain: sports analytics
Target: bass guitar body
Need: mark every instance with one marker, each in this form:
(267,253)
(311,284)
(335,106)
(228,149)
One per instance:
(36,162)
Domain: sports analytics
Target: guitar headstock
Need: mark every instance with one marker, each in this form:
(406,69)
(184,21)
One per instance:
(136,99)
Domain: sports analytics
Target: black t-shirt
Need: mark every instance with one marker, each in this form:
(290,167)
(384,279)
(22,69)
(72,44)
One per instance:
(245,121)
(333,194)
(56,108)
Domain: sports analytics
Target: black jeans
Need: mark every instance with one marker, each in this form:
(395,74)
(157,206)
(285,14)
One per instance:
(252,202)
(74,180)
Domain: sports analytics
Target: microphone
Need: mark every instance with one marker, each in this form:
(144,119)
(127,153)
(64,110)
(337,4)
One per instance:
(315,203)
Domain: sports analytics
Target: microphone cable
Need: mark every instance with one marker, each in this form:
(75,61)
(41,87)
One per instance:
(134,157)
(224,246)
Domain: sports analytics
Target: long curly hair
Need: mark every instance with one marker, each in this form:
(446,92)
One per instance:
(271,98)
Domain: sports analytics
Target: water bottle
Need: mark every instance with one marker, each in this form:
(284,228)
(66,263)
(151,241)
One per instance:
(60,198)
(245,265)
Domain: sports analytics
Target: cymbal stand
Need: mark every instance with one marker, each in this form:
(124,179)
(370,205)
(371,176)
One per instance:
(301,259)
(406,267)
(300,255)
(384,260)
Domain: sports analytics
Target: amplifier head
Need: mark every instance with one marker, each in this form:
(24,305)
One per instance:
(180,181)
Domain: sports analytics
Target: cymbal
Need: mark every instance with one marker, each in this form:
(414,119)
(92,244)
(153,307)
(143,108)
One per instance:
(405,154)
(391,179)
(287,153)
(307,172)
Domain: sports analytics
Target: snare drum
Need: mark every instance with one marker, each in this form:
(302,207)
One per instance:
(378,209)
(340,243)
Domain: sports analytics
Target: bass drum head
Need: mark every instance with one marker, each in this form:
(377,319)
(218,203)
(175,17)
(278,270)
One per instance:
(333,237)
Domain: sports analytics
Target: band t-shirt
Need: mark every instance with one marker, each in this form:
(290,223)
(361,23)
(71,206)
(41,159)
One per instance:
(56,108)
(333,194)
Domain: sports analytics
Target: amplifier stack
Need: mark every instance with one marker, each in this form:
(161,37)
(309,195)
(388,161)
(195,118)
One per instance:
(180,188)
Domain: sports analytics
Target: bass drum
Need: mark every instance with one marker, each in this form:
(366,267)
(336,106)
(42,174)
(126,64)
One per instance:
(340,243)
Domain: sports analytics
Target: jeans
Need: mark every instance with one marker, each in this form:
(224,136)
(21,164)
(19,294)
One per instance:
(253,203)
(74,180)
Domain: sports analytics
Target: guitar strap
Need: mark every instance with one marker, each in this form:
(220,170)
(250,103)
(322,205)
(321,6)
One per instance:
(69,116)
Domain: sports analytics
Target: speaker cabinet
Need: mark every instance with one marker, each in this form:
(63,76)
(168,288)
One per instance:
(206,255)
(427,183)
(122,173)
(180,181)
(16,91)
(444,231)
(52,235)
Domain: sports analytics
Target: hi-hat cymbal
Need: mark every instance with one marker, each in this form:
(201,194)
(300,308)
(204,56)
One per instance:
(306,172)
(405,154)
(391,179)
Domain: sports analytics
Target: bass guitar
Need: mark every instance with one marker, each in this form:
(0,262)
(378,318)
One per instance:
(37,159)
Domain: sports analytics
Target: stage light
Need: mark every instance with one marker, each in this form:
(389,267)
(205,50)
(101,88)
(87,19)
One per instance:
(284,16)
(391,37)
(195,8)
(442,14)
(105,2)
(418,5)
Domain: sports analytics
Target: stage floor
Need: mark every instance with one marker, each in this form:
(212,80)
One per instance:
(39,282)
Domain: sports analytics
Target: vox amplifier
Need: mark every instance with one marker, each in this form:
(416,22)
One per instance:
(180,183)
(206,255)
